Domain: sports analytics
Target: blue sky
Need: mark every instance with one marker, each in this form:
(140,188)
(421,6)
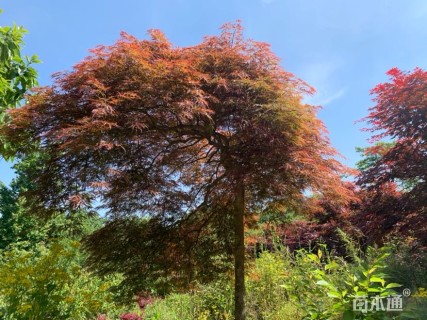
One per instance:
(342,48)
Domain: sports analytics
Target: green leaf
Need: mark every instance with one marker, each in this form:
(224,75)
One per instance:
(364,283)
(332,266)
(313,257)
(319,273)
(370,271)
(393,285)
(337,306)
(377,280)
(384,255)
(323,283)
(286,286)
(348,315)
(334,294)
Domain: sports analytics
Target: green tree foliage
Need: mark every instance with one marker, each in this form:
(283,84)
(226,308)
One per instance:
(41,261)
(17,75)
(371,156)
(16,226)
(19,227)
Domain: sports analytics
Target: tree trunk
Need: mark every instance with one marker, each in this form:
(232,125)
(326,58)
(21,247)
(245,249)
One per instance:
(239,252)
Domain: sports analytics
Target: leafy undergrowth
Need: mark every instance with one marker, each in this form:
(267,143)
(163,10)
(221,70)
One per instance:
(304,285)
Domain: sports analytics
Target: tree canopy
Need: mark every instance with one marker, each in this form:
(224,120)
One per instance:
(164,122)
(400,114)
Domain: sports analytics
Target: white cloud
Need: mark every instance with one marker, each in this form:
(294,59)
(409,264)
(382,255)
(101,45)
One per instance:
(319,74)
(323,98)
(323,77)
(327,100)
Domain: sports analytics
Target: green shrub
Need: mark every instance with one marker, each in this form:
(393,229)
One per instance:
(268,285)
(49,283)
(363,278)
(174,307)
(210,302)
(407,264)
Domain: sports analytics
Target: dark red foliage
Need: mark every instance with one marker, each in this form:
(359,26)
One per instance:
(130,316)
(394,184)
(326,215)
(144,300)
(323,217)
(400,114)
(383,213)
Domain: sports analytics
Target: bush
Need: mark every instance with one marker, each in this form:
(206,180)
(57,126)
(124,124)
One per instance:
(130,316)
(173,307)
(49,283)
(210,302)
(267,288)
(407,264)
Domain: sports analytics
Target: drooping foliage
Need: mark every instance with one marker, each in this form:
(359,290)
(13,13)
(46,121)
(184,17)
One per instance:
(20,228)
(154,257)
(149,126)
(206,132)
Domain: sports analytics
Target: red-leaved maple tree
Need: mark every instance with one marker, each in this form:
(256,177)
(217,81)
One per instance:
(215,131)
(400,114)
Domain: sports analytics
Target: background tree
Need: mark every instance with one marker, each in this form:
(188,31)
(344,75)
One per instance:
(393,173)
(400,114)
(20,228)
(16,73)
(216,131)
(370,155)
